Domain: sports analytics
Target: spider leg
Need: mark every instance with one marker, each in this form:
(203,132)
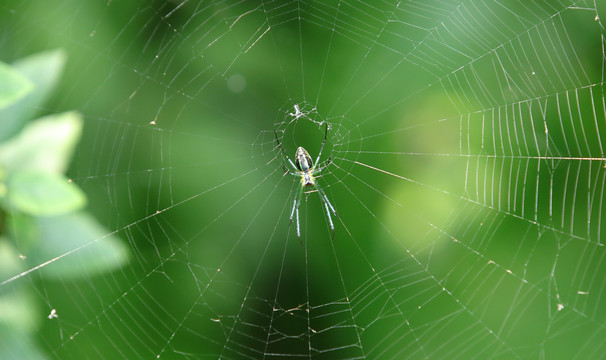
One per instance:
(329,208)
(293,173)
(298,228)
(292,212)
(295,211)
(323,143)
(284,152)
(317,170)
(332,226)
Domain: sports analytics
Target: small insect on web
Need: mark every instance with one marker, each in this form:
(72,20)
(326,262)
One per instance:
(306,170)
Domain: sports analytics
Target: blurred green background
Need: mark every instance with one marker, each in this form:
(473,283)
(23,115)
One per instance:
(467,169)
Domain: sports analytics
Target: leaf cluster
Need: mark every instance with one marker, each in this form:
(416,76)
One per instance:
(42,212)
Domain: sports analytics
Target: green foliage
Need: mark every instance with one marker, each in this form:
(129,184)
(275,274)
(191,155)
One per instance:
(45,145)
(13,86)
(41,210)
(43,194)
(43,71)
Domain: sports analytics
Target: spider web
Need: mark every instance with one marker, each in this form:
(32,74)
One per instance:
(464,158)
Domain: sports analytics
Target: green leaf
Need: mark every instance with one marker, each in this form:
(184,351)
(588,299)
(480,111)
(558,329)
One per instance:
(80,245)
(44,71)
(46,144)
(43,194)
(13,85)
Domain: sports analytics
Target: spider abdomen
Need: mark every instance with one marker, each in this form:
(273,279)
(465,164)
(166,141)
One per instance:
(303,160)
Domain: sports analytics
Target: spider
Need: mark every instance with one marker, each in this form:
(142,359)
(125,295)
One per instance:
(304,168)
